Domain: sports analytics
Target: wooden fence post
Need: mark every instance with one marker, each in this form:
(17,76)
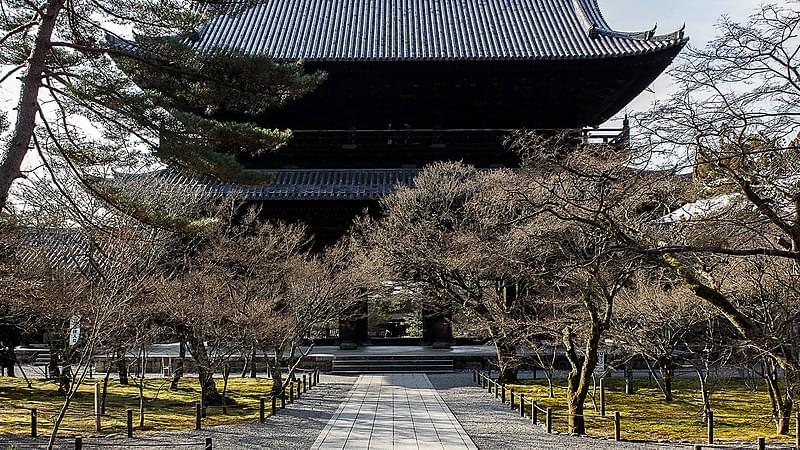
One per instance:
(797,429)
(209,444)
(34,431)
(503,394)
(602,398)
(78,443)
(497,387)
(97,424)
(198,416)
(491,382)
(512,399)
(261,407)
(129,422)
(762,444)
(474,376)
(522,405)
(549,419)
(534,412)
(274,404)
(298,389)
(305,387)
(711,427)
(283,399)
(291,392)
(617,427)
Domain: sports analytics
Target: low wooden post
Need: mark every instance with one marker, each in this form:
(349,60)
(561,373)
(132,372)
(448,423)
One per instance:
(762,444)
(497,388)
(78,443)
(711,427)
(602,398)
(305,386)
(291,392)
(198,416)
(209,444)
(299,388)
(549,419)
(617,427)
(283,399)
(491,382)
(512,399)
(797,430)
(503,395)
(274,404)
(97,423)
(261,409)
(34,431)
(534,412)
(129,422)
(522,405)
(474,376)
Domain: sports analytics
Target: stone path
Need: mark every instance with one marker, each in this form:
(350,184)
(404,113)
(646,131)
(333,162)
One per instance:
(400,411)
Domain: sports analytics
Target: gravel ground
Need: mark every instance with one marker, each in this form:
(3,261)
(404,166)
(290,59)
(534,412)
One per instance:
(296,427)
(492,425)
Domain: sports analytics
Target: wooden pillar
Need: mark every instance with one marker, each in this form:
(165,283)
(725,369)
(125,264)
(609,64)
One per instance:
(617,427)
(353,330)
(437,329)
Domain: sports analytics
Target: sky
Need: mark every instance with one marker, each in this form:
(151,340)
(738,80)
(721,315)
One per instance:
(623,15)
(700,16)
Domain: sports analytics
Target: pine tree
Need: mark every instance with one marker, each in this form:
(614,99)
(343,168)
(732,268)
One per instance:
(95,103)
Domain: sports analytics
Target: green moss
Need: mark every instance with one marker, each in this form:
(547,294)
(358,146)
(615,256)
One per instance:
(740,414)
(165,410)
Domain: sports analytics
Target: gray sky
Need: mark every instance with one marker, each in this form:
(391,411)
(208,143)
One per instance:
(698,15)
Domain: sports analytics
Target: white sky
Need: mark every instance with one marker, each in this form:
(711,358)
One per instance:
(698,15)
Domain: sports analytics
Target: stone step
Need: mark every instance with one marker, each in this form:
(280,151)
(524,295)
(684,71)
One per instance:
(393,357)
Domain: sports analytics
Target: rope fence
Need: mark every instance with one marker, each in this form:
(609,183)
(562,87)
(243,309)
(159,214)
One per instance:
(29,420)
(529,408)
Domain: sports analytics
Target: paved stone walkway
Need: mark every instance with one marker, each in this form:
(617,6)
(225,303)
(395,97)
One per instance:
(399,411)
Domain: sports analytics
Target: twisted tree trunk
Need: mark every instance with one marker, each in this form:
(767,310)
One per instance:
(28,105)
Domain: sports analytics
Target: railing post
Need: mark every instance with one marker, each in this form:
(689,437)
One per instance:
(522,405)
(497,391)
(198,416)
(209,444)
(512,399)
(617,427)
(602,398)
(299,388)
(534,412)
(283,399)
(129,422)
(549,419)
(305,386)
(490,382)
(503,394)
(97,424)
(762,444)
(711,427)
(291,392)
(261,409)
(78,443)
(274,404)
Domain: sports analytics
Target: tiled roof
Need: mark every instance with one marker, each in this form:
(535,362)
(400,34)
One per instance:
(380,30)
(367,184)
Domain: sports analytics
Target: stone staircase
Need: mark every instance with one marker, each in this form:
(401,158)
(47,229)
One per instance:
(358,364)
